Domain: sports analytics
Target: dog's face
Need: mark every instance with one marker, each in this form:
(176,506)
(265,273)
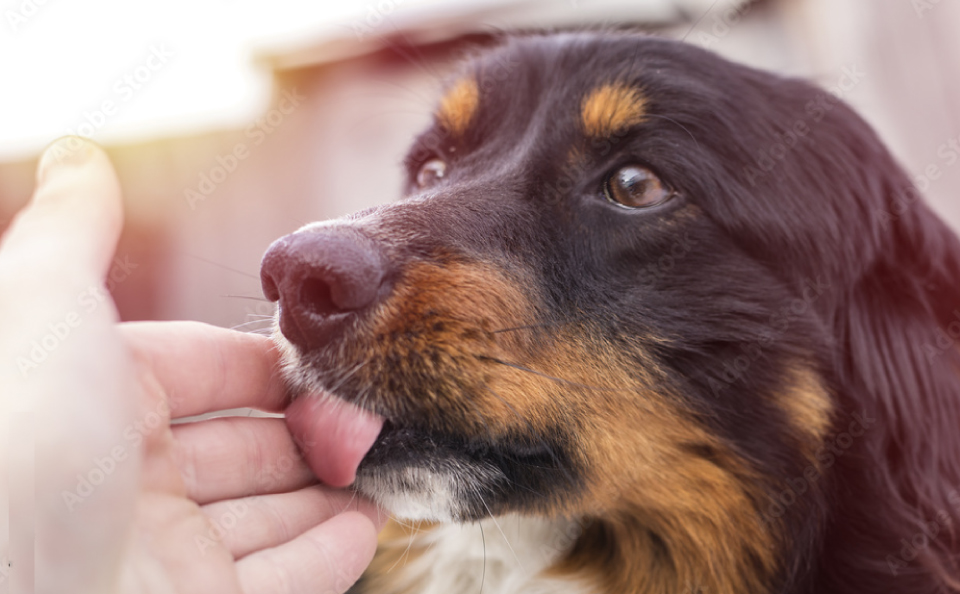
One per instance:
(606,294)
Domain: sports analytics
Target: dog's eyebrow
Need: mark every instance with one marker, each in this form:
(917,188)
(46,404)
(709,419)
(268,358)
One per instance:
(610,108)
(458,106)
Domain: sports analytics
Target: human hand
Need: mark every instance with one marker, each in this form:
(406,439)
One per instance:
(113,498)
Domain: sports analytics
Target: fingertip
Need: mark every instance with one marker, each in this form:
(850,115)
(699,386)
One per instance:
(360,527)
(328,558)
(73,221)
(65,153)
(363,532)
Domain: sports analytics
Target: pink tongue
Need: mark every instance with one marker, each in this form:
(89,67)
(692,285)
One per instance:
(334,436)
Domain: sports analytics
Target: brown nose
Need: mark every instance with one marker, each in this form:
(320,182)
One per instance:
(323,278)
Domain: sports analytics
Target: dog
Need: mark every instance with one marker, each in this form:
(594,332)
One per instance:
(646,321)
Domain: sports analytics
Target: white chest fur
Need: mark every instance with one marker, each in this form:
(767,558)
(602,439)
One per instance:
(506,555)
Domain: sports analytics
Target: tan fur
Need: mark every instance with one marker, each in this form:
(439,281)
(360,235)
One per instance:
(458,106)
(809,407)
(611,108)
(643,479)
(399,545)
(633,441)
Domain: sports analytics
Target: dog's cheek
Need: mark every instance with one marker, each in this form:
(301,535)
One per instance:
(645,458)
(444,340)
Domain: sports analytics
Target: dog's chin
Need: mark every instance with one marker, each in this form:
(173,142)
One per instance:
(423,476)
(432,492)
(424,466)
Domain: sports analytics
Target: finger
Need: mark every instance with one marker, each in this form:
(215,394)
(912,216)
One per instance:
(61,358)
(328,558)
(53,259)
(234,457)
(256,523)
(203,368)
(70,227)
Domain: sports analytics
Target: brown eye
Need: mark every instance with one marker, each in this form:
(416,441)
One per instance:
(635,187)
(430,173)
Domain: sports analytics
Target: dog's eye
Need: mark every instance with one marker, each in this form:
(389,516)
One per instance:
(634,186)
(430,173)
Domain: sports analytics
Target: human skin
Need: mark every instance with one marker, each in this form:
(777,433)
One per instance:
(112,497)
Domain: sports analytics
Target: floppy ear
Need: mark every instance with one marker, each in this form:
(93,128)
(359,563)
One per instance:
(898,336)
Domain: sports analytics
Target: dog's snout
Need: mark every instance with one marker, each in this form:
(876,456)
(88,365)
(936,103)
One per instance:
(321,277)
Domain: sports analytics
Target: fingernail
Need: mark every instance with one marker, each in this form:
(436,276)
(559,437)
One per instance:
(64,153)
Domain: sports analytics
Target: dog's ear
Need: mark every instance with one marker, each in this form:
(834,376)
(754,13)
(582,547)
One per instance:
(898,333)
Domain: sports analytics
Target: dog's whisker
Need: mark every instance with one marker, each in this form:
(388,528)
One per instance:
(502,533)
(529,425)
(483,572)
(427,101)
(249,323)
(350,502)
(418,60)
(346,376)
(681,126)
(501,455)
(545,375)
(225,267)
(526,327)
(415,530)
(250,297)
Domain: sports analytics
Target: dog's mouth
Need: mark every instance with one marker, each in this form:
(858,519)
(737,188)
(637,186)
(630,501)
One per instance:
(342,442)
(427,383)
(333,435)
(417,471)
(406,445)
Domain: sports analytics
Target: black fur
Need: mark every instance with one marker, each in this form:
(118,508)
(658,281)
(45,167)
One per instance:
(794,237)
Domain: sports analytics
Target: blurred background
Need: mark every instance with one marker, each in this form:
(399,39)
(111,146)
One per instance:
(233,122)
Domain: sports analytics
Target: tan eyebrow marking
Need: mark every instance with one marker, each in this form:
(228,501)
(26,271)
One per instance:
(458,106)
(610,108)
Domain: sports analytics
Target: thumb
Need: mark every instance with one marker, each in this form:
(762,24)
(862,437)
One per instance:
(71,225)
(66,375)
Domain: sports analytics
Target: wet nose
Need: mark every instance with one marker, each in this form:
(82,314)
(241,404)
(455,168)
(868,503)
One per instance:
(322,278)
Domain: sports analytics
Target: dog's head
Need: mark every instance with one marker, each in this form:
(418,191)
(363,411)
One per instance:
(637,285)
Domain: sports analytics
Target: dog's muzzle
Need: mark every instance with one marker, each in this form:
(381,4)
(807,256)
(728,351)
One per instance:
(323,278)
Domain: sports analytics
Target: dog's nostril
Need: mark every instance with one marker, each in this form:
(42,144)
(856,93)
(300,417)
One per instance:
(320,277)
(315,297)
(270,290)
